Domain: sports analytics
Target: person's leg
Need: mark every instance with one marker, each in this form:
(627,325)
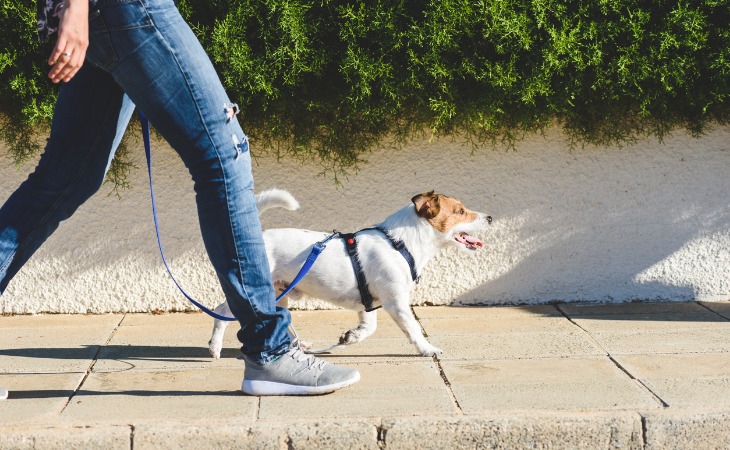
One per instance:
(167,73)
(89,119)
(157,60)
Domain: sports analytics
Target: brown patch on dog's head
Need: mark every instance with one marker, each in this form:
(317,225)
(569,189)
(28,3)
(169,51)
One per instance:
(441,211)
(427,205)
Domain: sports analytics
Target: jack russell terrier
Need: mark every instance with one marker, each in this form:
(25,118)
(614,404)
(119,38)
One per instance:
(383,262)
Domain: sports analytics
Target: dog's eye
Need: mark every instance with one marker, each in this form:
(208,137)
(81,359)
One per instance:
(461,211)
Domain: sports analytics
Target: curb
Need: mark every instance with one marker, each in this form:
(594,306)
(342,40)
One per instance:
(591,430)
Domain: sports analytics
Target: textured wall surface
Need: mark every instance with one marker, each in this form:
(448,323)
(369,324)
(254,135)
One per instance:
(645,222)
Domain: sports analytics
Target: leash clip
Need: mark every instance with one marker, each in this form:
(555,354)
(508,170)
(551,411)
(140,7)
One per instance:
(321,244)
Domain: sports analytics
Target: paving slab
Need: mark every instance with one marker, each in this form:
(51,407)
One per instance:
(395,388)
(126,397)
(466,312)
(36,397)
(706,340)
(91,322)
(582,309)
(372,349)
(576,384)
(53,343)
(671,322)
(690,366)
(459,326)
(722,308)
(329,325)
(165,347)
(687,380)
(574,343)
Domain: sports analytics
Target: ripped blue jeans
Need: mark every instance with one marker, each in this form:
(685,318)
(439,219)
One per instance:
(142,53)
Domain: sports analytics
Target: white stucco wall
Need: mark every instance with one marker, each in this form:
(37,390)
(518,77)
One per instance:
(645,222)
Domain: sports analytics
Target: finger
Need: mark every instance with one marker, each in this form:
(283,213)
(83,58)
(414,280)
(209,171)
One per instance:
(63,66)
(76,66)
(79,58)
(58,67)
(65,71)
(57,51)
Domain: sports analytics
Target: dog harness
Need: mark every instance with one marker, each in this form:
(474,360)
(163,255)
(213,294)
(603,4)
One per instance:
(362,285)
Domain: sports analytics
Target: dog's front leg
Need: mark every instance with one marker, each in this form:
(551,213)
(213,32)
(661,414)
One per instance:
(368,325)
(215,345)
(401,312)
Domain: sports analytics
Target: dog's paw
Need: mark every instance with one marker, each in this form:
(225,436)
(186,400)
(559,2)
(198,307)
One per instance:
(430,350)
(350,337)
(215,349)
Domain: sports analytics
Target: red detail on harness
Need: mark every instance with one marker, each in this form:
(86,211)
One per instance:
(351,241)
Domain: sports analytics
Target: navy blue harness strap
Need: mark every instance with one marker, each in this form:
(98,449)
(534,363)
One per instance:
(401,247)
(316,249)
(362,285)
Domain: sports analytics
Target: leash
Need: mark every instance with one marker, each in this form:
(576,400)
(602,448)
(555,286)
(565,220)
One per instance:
(317,248)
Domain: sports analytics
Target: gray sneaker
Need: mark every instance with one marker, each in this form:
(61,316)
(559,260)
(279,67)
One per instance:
(296,373)
(3,393)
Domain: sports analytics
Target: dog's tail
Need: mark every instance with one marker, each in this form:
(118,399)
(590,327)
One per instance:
(276,198)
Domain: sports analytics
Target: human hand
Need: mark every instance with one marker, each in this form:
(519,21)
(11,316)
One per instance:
(73,40)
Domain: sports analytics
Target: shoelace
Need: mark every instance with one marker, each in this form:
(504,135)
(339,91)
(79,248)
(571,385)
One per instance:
(300,355)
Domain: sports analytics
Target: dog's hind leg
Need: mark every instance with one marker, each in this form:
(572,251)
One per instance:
(215,345)
(368,325)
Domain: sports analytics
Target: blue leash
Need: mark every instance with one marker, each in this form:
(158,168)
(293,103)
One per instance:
(316,248)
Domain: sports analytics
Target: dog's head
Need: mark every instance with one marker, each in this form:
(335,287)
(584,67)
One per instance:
(449,217)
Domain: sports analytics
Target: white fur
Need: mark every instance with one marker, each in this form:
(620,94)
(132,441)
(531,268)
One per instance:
(332,278)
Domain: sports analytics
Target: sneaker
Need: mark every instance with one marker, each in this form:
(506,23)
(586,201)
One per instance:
(3,393)
(296,373)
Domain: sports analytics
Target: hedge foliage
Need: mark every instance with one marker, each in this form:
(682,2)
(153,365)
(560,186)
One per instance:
(330,79)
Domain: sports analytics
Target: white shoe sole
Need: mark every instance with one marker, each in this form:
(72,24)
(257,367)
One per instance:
(3,394)
(255,387)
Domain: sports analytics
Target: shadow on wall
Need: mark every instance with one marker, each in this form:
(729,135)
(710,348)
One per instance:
(636,224)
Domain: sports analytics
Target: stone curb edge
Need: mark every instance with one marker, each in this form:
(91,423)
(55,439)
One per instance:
(625,430)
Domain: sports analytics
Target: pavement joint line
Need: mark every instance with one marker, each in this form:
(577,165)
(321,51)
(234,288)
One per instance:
(93,363)
(380,434)
(637,381)
(643,430)
(440,368)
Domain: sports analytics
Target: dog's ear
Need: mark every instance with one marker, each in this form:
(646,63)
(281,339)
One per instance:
(427,205)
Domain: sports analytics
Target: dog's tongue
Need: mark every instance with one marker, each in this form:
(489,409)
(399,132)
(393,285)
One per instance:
(469,241)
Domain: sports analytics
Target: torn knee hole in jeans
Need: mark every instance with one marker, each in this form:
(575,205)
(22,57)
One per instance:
(231,109)
(241,145)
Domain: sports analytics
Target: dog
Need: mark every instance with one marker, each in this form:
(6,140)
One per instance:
(430,223)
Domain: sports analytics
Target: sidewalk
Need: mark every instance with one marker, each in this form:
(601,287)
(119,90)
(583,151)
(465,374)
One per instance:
(641,375)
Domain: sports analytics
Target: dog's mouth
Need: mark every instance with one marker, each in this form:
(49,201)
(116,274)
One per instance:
(468,241)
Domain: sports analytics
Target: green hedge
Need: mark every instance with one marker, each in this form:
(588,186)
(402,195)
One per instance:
(332,79)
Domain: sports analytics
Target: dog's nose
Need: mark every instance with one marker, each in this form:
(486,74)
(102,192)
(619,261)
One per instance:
(489,220)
